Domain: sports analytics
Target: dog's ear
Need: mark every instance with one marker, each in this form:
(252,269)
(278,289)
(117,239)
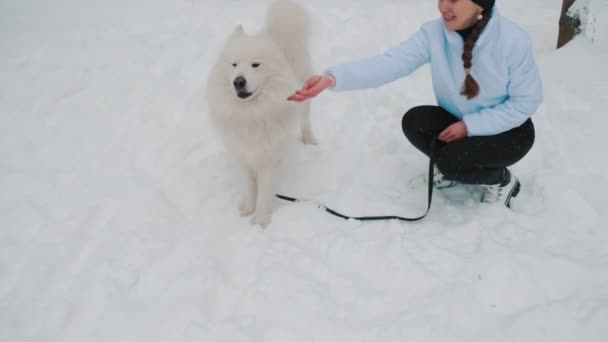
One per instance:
(237,32)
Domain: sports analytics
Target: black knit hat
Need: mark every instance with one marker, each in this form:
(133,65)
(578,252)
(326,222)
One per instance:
(485,4)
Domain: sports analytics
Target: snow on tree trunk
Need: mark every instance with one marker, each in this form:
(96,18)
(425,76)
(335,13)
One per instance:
(589,17)
(596,25)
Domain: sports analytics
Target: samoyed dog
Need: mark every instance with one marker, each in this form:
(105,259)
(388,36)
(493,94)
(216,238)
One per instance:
(247,93)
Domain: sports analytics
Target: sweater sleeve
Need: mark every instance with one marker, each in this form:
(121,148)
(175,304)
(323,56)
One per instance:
(373,72)
(525,94)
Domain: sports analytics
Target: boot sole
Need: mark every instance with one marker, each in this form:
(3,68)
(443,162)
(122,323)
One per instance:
(514,193)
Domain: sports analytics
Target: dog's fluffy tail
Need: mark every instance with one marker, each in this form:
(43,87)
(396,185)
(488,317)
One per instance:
(289,26)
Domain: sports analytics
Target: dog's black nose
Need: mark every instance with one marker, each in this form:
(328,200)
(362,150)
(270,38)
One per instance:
(240,82)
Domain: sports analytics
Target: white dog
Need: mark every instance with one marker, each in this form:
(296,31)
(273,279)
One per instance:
(247,92)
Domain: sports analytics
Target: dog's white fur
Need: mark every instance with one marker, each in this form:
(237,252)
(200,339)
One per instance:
(256,130)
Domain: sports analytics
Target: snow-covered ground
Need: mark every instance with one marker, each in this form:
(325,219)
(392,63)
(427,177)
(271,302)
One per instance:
(118,217)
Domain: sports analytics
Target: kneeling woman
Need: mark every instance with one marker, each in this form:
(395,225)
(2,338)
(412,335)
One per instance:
(487,86)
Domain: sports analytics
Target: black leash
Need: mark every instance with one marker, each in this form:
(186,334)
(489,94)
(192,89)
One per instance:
(380,218)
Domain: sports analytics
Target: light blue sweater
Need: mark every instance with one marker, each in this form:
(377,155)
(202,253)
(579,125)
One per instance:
(503,66)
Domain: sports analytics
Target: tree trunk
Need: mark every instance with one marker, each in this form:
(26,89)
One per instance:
(568,26)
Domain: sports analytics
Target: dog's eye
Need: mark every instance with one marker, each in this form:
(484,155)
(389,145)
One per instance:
(235,64)
(255,65)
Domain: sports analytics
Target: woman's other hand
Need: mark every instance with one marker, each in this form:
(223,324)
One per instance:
(455,131)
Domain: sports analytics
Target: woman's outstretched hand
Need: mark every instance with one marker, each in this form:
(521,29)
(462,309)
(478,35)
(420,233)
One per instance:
(312,87)
(455,131)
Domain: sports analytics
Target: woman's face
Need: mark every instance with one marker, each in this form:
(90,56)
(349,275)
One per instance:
(458,14)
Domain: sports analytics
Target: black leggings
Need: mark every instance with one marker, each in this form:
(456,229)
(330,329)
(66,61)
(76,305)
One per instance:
(471,160)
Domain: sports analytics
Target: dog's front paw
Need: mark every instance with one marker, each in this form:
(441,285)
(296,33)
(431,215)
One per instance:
(262,220)
(246,208)
(310,140)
